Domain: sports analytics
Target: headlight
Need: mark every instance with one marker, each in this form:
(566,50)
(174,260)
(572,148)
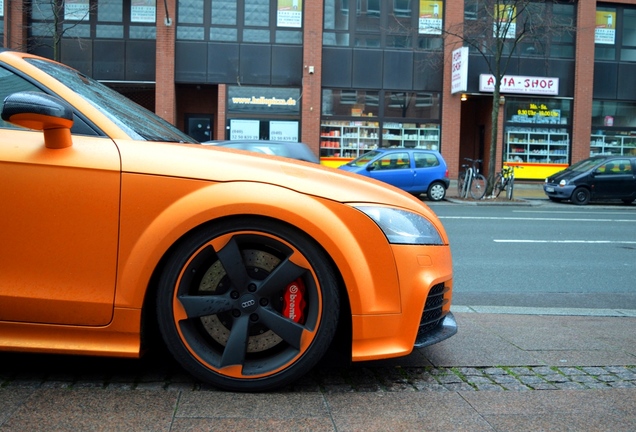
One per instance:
(403,227)
(563,183)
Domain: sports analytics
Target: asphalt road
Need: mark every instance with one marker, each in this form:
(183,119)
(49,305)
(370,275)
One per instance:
(547,255)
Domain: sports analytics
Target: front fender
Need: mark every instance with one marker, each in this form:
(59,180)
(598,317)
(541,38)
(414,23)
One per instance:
(157,212)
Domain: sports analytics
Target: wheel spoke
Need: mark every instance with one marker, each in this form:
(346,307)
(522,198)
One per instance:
(287,329)
(234,353)
(285,273)
(199,306)
(232,261)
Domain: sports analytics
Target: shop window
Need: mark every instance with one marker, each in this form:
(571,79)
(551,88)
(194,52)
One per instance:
(355,121)
(613,125)
(537,133)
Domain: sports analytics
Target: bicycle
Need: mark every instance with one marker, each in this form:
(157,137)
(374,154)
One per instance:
(470,180)
(505,180)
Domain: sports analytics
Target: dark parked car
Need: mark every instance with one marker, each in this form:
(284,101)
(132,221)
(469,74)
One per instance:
(293,150)
(415,171)
(596,178)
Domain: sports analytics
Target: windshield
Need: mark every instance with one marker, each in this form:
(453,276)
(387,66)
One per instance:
(137,122)
(364,159)
(584,165)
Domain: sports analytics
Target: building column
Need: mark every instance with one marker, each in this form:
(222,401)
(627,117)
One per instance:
(583,81)
(451,106)
(165,102)
(15,25)
(221,113)
(312,74)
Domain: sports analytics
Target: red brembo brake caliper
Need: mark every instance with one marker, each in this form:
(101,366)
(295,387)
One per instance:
(294,301)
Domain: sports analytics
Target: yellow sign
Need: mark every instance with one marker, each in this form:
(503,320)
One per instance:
(505,21)
(605,32)
(431,17)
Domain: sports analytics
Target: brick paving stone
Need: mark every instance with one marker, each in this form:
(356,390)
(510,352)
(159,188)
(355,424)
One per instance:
(516,386)
(555,378)
(521,371)
(597,385)
(503,379)
(470,371)
(462,386)
(623,384)
(594,370)
(480,380)
(545,386)
(584,378)
(542,370)
(449,379)
(430,387)
(490,387)
(495,371)
(608,378)
(570,371)
(531,380)
(570,385)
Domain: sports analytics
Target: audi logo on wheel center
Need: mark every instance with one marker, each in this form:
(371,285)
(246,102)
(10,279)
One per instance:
(247,304)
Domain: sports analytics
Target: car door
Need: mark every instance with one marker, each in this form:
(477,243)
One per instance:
(427,169)
(59,217)
(393,168)
(613,179)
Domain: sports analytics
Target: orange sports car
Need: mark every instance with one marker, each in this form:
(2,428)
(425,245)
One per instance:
(114,225)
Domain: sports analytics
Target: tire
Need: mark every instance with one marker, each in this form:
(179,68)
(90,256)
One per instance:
(478,187)
(461,179)
(221,304)
(498,186)
(436,191)
(580,196)
(510,188)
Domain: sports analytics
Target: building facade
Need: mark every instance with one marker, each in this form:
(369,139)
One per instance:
(345,76)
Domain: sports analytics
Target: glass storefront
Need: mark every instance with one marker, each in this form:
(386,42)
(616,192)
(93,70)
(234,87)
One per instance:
(537,135)
(355,121)
(265,113)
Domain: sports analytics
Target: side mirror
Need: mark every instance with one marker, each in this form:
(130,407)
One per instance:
(40,111)
(370,167)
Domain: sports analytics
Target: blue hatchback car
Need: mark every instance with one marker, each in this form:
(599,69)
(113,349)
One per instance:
(413,170)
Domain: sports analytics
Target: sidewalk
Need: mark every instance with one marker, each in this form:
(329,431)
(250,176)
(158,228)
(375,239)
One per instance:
(524,193)
(501,372)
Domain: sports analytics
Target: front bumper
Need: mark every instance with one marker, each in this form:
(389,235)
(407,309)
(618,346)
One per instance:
(445,328)
(555,191)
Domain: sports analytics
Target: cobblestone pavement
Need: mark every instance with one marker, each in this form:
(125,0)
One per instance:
(161,374)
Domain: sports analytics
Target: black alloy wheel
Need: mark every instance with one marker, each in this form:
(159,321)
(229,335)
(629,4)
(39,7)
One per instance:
(248,304)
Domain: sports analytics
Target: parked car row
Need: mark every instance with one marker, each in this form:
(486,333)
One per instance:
(596,178)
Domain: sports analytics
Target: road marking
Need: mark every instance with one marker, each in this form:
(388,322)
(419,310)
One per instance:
(514,310)
(535,219)
(566,241)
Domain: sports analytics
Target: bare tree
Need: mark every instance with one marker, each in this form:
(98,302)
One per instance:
(52,20)
(498,30)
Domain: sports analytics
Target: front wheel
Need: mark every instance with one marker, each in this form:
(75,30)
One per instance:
(248,304)
(510,188)
(478,187)
(580,196)
(461,181)
(498,186)
(436,191)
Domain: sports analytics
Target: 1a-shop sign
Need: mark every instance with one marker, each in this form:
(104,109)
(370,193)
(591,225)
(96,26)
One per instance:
(521,84)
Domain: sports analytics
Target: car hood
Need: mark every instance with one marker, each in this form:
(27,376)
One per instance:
(218,164)
(350,168)
(564,175)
